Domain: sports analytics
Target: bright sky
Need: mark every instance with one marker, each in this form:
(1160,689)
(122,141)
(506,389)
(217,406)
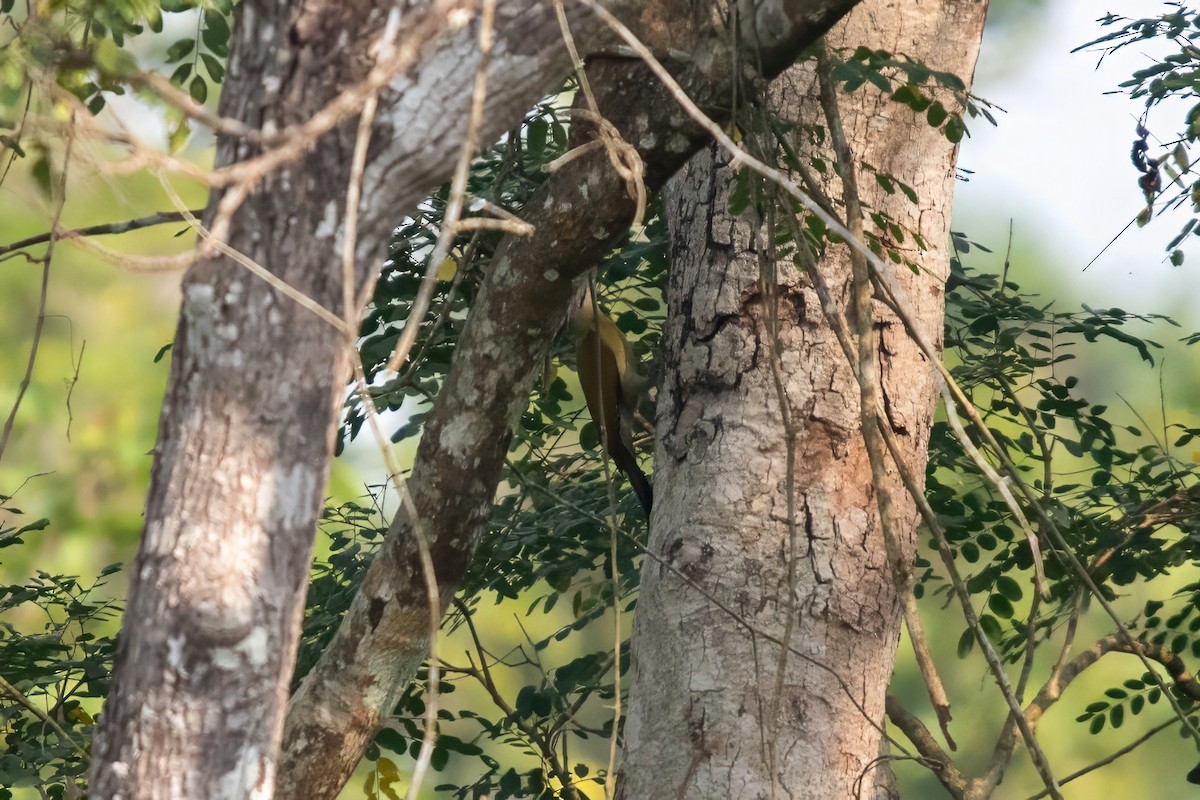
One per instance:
(1058,164)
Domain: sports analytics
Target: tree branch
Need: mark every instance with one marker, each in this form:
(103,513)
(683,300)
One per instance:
(100,230)
(938,760)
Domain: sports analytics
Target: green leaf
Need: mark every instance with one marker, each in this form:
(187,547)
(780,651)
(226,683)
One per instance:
(739,199)
(112,59)
(970,552)
(1000,606)
(181,73)
(1008,587)
(216,32)
(391,739)
(536,134)
(39,525)
(965,643)
(936,115)
(181,49)
(41,173)
(214,67)
(955,129)
(198,89)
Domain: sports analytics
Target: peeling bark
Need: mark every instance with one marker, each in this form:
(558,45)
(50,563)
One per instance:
(705,719)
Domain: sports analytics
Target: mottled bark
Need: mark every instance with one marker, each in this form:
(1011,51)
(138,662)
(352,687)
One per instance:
(217,592)
(706,719)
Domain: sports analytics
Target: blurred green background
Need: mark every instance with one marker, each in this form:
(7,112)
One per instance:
(1056,171)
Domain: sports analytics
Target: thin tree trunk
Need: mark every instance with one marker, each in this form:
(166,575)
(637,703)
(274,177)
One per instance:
(711,713)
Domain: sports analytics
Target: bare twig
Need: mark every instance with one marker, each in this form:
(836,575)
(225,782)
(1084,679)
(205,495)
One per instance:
(39,325)
(938,760)
(27,378)
(74,381)
(483,674)
(173,95)
(933,681)
(865,367)
(1129,748)
(769,289)
(135,263)
(1001,483)
(100,230)
(624,157)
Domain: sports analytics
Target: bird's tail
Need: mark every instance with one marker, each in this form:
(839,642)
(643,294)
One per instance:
(626,461)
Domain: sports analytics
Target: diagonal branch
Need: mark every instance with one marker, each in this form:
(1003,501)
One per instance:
(579,214)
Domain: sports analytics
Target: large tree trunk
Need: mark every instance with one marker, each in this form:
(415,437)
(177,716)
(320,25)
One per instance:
(710,713)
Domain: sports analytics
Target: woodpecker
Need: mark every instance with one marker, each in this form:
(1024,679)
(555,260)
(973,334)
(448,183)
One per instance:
(611,386)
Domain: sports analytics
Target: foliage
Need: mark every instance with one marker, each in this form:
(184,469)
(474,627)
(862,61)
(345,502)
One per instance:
(54,665)
(549,543)
(84,52)
(1120,495)
(1124,498)
(505,176)
(913,84)
(1125,501)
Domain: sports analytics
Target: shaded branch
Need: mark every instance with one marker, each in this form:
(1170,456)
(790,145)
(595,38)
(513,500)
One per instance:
(1182,679)
(937,759)
(101,230)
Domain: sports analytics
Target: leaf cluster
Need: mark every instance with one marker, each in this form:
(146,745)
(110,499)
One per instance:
(1134,695)
(505,176)
(1124,500)
(912,83)
(86,50)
